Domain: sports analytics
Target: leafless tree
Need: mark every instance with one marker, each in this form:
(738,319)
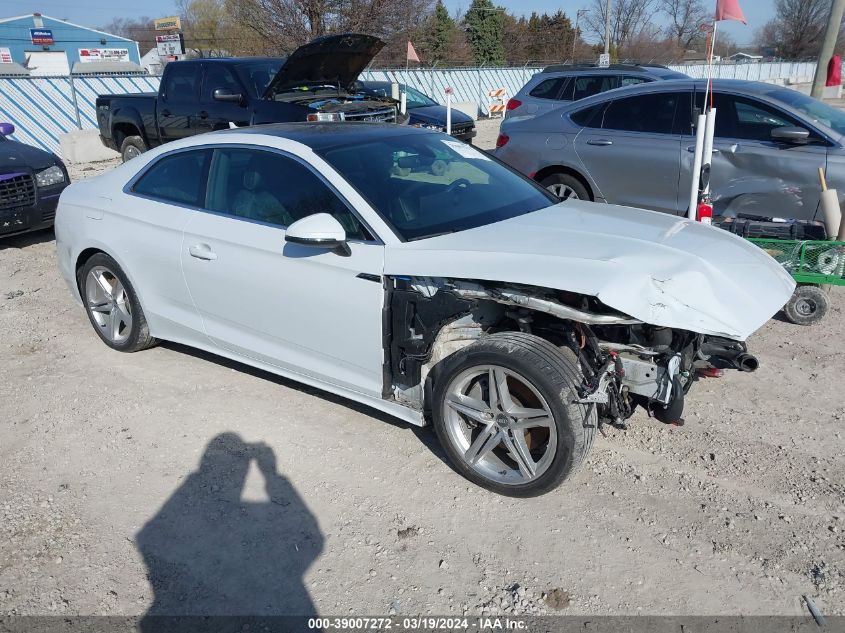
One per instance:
(797,28)
(685,20)
(141,30)
(628,19)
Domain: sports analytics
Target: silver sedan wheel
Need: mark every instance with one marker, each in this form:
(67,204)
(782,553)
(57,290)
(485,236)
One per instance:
(500,424)
(108,304)
(564,192)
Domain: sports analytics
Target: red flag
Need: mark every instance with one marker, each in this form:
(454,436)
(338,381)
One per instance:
(412,54)
(729,10)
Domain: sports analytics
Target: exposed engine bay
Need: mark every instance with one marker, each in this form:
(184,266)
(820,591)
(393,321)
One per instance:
(624,362)
(331,103)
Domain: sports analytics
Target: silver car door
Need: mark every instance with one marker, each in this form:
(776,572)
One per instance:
(309,310)
(754,174)
(633,153)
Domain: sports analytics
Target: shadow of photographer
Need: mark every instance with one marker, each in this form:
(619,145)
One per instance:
(208,552)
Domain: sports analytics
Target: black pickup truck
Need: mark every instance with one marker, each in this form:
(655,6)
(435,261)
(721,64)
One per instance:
(315,83)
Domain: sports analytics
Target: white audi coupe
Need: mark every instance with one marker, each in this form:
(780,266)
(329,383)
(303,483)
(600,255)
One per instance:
(403,269)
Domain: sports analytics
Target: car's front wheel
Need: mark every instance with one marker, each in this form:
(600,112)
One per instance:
(506,414)
(112,305)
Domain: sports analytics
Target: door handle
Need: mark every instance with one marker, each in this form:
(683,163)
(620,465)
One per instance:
(202,251)
(691,150)
(602,142)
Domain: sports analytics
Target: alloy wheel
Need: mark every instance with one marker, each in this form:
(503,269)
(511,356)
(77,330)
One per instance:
(108,303)
(564,192)
(500,424)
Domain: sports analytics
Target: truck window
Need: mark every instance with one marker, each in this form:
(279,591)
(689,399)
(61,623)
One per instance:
(217,76)
(181,82)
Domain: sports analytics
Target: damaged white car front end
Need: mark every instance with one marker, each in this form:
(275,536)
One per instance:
(643,300)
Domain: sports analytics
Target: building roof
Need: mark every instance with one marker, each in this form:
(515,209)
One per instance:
(60,21)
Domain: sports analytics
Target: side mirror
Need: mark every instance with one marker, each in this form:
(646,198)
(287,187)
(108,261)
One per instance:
(789,134)
(320,230)
(6,129)
(224,94)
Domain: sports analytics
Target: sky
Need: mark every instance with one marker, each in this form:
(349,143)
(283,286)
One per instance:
(99,12)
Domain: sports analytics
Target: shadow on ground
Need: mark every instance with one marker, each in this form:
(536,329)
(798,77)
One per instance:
(210,553)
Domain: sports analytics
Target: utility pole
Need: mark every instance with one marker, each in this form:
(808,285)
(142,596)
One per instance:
(607,28)
(828,45)
(577,30)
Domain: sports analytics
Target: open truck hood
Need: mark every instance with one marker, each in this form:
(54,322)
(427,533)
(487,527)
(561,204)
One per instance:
(657,268)
(333,59)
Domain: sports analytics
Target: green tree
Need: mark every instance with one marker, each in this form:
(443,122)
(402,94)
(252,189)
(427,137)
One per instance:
(439,33)
(485,26)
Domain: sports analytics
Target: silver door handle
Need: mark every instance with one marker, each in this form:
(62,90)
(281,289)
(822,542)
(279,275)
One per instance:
(603,142)
(202,251)
(691,150)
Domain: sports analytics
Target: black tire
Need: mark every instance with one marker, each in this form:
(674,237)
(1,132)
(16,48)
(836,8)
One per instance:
(138,336)
(132,147)
(554,373)
(555,181)
(808,305)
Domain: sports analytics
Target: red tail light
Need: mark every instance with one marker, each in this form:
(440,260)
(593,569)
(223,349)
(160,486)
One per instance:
(705,213)
(502,140)
(513,104)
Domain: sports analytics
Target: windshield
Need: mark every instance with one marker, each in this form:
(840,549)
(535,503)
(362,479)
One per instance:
(257,75)
(430,184)
(815,110)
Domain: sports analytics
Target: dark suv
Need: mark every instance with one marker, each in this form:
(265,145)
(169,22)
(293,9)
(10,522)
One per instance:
(559,84)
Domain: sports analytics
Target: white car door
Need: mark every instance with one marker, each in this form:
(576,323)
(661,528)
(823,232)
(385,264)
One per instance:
(308,310)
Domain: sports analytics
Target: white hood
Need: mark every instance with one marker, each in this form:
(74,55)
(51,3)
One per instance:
(658,268)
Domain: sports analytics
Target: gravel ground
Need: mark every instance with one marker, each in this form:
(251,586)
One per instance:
(171,481)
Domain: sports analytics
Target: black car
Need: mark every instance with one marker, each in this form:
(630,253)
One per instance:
(423,110)
(31,181)
(315,83)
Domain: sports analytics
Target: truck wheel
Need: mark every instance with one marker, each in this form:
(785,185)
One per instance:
(565,187)
(504,412)
(132,147)
(807,305)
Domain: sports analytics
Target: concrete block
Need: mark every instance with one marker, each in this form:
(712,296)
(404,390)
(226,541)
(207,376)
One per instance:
(470,108)
(83,146)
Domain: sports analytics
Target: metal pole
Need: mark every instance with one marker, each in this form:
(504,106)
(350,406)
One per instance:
(75,102)
(828,45)
(607,29)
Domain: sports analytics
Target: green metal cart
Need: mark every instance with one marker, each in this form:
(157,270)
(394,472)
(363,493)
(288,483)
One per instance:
(814,264)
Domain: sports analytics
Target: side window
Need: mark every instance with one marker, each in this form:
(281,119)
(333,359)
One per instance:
(548,89)
(651,113)
(588,117)
(177,178)
(743,118)
(217,76)
(590,85)
(181,82)
(633,80)
(272,188)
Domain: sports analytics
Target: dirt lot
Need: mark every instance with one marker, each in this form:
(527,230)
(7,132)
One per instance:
(170,481)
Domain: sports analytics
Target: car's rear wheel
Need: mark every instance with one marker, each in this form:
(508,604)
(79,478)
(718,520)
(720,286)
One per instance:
(505,412)
(565,187)
(132,147)
(112,305)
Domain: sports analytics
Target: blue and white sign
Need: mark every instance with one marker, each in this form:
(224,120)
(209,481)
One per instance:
(41,36)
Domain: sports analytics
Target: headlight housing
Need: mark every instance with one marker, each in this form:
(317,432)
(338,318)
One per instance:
(50,176)
(326,116)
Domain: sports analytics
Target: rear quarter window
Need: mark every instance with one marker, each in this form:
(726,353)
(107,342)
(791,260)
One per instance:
(588,117)
(549,88)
